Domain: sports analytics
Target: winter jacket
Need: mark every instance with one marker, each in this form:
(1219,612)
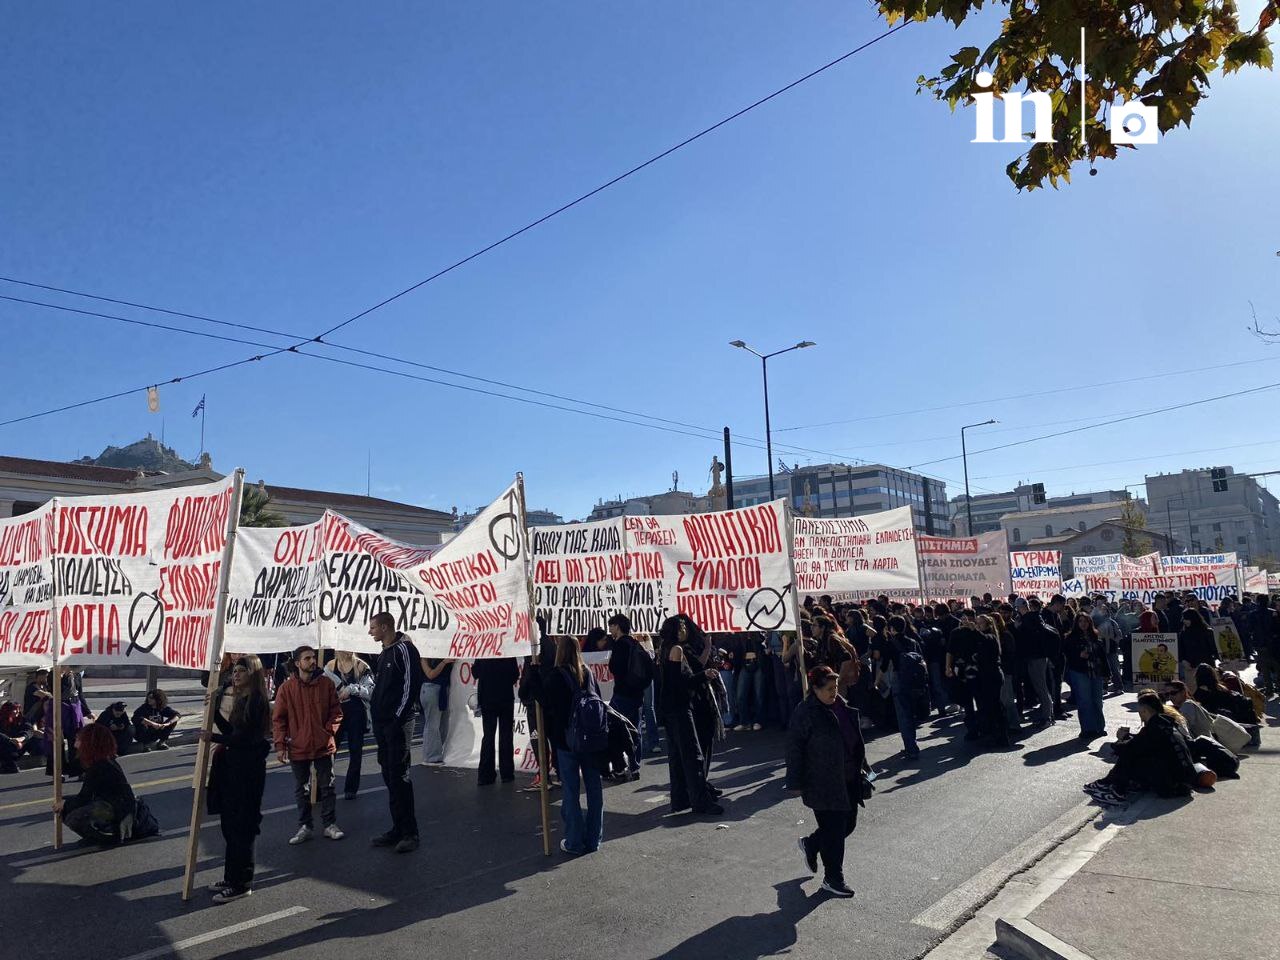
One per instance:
(104,782)
(306,717)
(397,685)
(1196,645)
(554,689)
(816,762)
(1227,702)
(1036,639)
(1158,757)
(620,667)
(495,681)
(1094,660)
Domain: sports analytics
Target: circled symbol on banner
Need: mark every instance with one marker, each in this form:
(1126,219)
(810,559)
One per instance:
(146,623)
(766,608)
(505,532)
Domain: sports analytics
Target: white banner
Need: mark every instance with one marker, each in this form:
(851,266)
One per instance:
(1196,562)
(727,570)
(1255,580)
(26,589)
(963,567)
(136,575)
(1116,563)
(1036,573)
(845,555)
(321,583)
(1073,588)
(1155,659)
(1209,584)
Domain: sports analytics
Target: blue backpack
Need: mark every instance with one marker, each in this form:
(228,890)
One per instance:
(588,727)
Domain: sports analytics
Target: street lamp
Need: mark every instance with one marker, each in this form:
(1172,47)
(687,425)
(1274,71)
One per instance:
(964,455)
(764,370)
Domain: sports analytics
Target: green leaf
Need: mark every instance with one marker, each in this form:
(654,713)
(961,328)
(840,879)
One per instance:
(966,56)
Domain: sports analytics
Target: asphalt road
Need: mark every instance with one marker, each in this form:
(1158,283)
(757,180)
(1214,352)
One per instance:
(940,832)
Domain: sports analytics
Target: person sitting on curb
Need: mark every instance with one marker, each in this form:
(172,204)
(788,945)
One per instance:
(117,720)
(155,721)
(1156,758)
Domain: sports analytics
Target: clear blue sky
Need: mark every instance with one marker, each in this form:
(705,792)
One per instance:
(288,165)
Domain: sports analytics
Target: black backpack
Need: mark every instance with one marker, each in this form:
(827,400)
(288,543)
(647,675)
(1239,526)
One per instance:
(640,667)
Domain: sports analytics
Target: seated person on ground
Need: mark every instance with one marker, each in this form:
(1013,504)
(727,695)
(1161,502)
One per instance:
(1199,721)
(105,811)
(115,719)
(15,737)
(1214,697)
(154,722)
(1156,758)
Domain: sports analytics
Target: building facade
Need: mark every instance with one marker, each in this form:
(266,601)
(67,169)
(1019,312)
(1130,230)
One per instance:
(1244,517)
(658,504)
(1026,527)
(988,508)
(1103,538)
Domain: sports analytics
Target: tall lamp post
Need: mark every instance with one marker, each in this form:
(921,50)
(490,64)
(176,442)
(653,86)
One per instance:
(764,370)
(964,455)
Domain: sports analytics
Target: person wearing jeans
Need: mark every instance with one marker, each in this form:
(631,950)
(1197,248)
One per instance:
(306,717)
(354,682)
(1087,671)
(434,700)
(749,681)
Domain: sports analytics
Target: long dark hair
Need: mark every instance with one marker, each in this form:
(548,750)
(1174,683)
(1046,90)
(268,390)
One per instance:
(569,656)
(254,705)
(695,640)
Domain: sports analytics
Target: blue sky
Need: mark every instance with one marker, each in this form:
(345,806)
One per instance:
(288,165)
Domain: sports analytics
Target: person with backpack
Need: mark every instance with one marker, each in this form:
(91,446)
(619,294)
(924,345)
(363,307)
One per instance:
(934,649)
(105,812)
(396,689)
(903,669)
(962,671)
(577,729)
(680,677)
(632,670)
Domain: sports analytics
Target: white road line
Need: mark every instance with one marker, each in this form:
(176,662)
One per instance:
(216,934)
(943,914)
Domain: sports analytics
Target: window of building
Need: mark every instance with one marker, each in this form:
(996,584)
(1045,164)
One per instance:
(1217,527)
(1048,530)
(1242,540)
(1017,535)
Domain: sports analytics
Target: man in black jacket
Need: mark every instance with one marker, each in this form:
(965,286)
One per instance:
(395,691)
(1035,641)
(496,698)
(632,673)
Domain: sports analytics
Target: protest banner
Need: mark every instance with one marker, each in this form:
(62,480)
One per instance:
(135,576)
(1273,582)
(729,570)
(1211,585)
(26,590)
(963,567)
(1116,563)
(1073,588)
(1036,573)
(1197,562)
(1227,637)
(1155,657)
(1255,580)
(875,552)
(323,582)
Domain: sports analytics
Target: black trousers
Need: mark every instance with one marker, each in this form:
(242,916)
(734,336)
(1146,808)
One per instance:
(244,778)
(351,733)
(834,827)
(1056,665)
(685,763)
(704,724)
(145,735)
(500,719)
(965,693)
(393,757)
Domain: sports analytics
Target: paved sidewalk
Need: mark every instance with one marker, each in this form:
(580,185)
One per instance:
(1198,877)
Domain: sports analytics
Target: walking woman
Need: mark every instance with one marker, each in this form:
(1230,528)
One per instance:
(558,688)
(826,760)
(242,716)
(1087,672)
(679,678)
(990,682)
(354,681)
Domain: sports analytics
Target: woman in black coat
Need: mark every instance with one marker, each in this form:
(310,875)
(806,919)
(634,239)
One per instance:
(105,810)
(238,775)
(826,760)
(1156,758)
(681,684)
(1196,644)
(1216,698)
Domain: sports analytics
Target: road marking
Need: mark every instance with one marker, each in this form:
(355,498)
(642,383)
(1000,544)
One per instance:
(216,934)
(138,786)
(944,914)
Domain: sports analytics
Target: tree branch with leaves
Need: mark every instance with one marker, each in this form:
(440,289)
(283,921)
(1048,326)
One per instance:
(1159,53)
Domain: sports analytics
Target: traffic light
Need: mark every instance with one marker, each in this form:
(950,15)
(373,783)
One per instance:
(1037,493)
(1219,477)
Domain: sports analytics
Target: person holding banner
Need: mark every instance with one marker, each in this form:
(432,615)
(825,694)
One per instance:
(307,716)
(238,774)
(396,689)
(354,682)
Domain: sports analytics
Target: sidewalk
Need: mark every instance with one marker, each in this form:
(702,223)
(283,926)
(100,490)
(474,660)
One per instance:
(1198,877)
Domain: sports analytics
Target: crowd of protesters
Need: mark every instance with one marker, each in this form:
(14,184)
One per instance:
(854,669)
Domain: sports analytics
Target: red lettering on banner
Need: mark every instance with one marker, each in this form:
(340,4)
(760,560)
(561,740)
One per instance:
(713,614)
(193,587)
(197,526)
(296,547)
(546,571)
(475,646)
(22,542)
(753,530)
(92,628)
(29,632)
(186,641)
(113,531)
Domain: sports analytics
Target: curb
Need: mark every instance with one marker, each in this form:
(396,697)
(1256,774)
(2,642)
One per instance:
(1026,939)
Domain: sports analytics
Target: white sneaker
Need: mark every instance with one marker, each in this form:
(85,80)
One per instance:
(302,836)
(334,832)
(757,726)
(739,728)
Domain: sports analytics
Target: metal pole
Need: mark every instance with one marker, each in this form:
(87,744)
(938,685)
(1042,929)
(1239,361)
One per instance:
(968,500)
(768,436)
(728,471)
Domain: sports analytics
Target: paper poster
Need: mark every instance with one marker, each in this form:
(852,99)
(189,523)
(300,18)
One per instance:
(1036,573)
(843,555)
(963,567)
(1155,657)
(1227,637)
(136,575)
(26,589)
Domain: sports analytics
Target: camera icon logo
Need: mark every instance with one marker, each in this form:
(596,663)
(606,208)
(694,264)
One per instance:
(1133,122)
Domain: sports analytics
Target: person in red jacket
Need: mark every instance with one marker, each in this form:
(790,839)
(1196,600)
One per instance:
(307,716)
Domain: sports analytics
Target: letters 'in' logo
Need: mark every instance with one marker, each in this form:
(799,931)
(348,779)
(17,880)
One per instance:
(1013,102)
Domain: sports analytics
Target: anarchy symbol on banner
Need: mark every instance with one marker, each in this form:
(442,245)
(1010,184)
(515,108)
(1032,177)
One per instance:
(766,608)
(146,623)
(504,531)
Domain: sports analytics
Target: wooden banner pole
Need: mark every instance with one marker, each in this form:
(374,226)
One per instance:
(214,662)
(544,767)
(57,742)
(790,518)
